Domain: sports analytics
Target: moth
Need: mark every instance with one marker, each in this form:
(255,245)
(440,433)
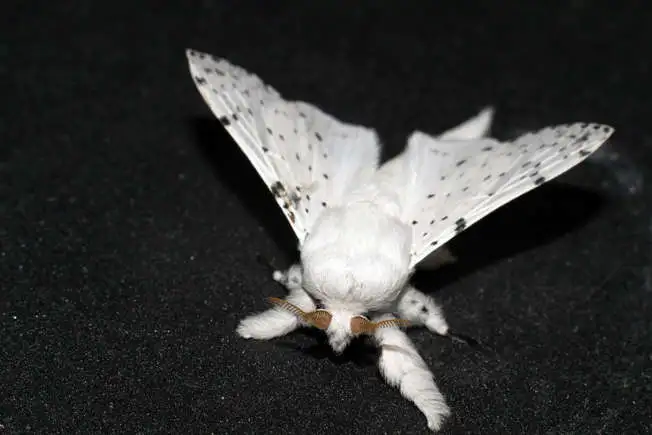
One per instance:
(363,227)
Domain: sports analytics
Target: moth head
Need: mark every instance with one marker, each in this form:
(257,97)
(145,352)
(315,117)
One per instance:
(340,326)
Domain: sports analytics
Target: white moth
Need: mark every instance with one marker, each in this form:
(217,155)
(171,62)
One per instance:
(363,227)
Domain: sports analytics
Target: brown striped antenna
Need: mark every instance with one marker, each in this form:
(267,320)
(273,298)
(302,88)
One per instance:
(319,318)
(362,325)
(322,319)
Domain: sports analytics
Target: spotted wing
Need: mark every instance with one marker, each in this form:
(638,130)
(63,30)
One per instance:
(448,185)
(307,158)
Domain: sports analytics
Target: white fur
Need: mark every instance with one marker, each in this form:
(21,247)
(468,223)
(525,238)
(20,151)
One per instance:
(402,367)
(348,267)
(421,309)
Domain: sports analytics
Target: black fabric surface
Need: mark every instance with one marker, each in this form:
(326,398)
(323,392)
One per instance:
(131,223)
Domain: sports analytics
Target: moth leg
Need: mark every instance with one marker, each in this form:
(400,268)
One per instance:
(421,309)
(292,278)
(277,322)
(402,367)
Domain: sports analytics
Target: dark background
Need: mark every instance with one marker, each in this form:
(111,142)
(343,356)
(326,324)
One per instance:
(131,223)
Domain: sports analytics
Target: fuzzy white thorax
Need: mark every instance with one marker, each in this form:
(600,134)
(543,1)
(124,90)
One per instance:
(348,267)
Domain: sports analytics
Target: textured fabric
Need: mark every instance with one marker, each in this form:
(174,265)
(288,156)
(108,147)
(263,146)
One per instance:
(130,223)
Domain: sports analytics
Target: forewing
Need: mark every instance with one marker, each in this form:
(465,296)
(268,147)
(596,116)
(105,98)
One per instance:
(450,185)
(307,158)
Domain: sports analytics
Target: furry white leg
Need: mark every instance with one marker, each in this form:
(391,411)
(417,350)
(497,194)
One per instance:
(292,278)
(421,309)
(277,322)
(402,367)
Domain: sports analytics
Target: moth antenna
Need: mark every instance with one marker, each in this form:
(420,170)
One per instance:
(360,325)
(320,319)
(287,306)
(389,323)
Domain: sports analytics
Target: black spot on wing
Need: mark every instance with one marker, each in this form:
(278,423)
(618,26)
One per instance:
(277,189)
(225,121)
(460,225)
